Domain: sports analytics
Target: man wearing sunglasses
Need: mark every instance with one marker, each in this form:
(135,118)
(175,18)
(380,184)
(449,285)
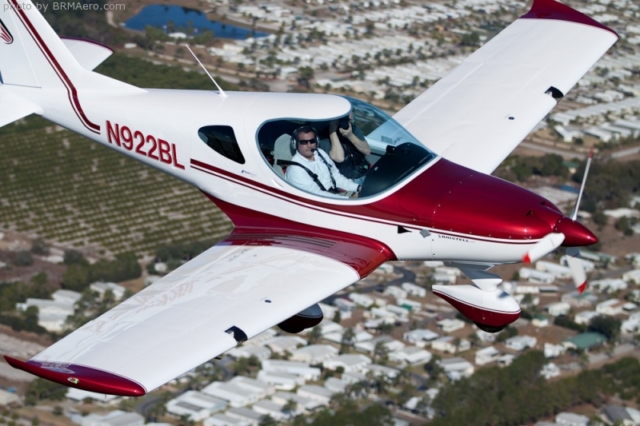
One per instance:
(312,170)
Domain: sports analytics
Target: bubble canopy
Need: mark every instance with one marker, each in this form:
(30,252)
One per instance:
(395,153)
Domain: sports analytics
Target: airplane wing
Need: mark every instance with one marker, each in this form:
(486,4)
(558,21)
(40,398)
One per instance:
(477,114)
(230,293)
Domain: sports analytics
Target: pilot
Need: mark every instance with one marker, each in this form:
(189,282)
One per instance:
(311,169)
(348,149)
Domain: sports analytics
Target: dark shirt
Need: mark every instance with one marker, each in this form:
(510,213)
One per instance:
(355,164)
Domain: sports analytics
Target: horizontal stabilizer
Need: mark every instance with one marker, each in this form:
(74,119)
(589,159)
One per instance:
(88,53)
(13,108)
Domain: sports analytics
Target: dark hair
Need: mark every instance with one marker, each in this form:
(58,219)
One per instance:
(304,129)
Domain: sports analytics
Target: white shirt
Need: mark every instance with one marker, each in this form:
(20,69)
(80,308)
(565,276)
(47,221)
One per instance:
(299,177)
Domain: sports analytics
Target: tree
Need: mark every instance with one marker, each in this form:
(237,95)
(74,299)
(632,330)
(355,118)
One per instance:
(605,325)
(39,247)
(73,257)
(268,421)
(315,335)
(23,258)
(348,339)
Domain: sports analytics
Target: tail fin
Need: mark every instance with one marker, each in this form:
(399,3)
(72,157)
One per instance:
(33,56)
(31,53)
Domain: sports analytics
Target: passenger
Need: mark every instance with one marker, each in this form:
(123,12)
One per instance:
(348,149)
(311,169)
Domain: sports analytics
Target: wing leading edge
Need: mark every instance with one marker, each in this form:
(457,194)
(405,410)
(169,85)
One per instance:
(478,113)
(231,292)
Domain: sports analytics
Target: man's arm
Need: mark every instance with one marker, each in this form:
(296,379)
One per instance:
(337,152)
(360,145)
(341,181)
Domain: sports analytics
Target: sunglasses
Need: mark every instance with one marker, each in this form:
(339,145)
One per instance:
(307,141)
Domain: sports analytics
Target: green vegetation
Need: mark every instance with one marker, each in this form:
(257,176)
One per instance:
(17,292)
(519,395)
(65,189)
(611,184)
(79,275)
(41,389)
(143,73)
(516,168)
(174,255)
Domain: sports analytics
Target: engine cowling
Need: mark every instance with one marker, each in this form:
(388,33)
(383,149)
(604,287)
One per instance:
(308,318)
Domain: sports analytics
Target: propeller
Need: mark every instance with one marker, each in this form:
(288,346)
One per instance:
(553,240)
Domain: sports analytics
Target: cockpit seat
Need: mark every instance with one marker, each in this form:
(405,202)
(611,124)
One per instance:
(282,151)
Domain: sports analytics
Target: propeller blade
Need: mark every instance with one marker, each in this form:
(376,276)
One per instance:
(577,269)
(574,213)
(543,247)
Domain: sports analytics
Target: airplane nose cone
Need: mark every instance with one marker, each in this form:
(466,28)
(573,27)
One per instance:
(576,234)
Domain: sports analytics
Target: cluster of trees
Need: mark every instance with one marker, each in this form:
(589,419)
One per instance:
(18,292)
(143,73)
(519,395)
(175,254)
(611,184)
(606,325)
(517,168)
(80,273)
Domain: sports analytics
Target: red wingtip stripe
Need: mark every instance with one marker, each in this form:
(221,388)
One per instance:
(526,259)
(77,376)
(591,151)
(582,287)
(551,9)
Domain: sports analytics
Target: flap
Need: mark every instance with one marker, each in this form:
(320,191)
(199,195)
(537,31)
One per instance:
(477,114)
(231,292)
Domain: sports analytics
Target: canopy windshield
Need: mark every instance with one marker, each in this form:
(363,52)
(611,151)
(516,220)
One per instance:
(378,152)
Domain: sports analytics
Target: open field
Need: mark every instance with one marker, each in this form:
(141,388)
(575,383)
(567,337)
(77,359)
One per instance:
(76,193)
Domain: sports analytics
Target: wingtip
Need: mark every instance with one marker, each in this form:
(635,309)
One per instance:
(551,9)
(526,259)
(81,377)
(582,287)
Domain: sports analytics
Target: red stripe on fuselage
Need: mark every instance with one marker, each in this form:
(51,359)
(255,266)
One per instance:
(422,193)
(72,93)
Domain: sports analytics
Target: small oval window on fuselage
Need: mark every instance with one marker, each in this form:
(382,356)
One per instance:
(223,141)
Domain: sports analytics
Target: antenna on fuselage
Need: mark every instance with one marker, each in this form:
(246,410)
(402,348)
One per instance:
(206,71)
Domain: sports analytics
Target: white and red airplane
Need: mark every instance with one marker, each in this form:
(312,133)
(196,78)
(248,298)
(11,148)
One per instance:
(428,195)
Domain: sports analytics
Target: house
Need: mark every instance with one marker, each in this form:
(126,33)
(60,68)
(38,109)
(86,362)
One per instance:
(577,300)
(336,385)
(505,360)
(610,307)
(558,308)
(414,290)
(283,344)
(410,305)
(540,321)
(281,381)
(317,393)
(558,271)
(349,362)
(389,343)
(450,325)
(396,292)
(585,317)
(411,355)
(314,354)
(632,276)
(114,418)
(584,341)
(572,419)
(235,395)
(549,371)
(361,299)
(553,351)
(623,416)
(260,352)
(270,408)
(102,287)
(381,371)
(486,355)
(483,336)
(450,344)
(291,367)
(420,336)
(456,368)
(224,420)
(520,343)
(304,403)
(246,415)
(535,276)
(197,406)
(608,285)
(66,296)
